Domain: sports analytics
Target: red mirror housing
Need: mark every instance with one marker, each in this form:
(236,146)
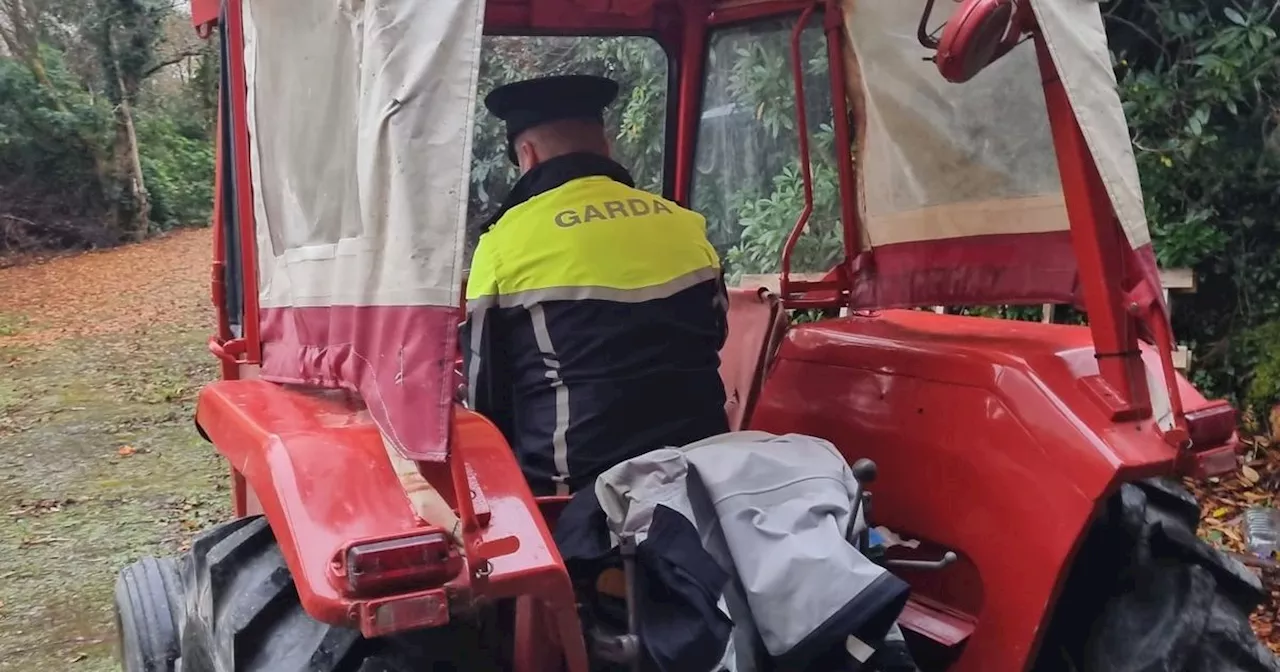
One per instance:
(979,32)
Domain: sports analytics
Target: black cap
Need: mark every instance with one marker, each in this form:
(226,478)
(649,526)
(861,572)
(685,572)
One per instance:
(533,102)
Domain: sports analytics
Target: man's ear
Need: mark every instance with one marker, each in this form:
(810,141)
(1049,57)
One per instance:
(526,156)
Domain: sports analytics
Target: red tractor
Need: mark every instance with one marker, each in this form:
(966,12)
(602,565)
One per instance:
(381,525)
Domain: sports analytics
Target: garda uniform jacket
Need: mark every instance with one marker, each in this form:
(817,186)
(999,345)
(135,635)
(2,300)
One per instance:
(596,312)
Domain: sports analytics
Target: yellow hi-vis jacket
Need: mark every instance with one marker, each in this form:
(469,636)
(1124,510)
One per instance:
(596,312)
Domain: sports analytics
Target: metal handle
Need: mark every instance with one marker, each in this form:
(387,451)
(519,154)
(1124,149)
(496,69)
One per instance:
(627,547)
(864,472)
(928,565)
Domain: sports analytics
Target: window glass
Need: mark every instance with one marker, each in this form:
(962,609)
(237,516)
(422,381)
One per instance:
(747,179)
(636,121)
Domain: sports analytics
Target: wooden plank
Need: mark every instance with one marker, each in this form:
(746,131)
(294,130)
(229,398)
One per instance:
(1178,279)
(1182,358)
(771,281)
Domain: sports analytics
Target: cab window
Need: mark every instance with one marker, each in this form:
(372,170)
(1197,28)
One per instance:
(747,177)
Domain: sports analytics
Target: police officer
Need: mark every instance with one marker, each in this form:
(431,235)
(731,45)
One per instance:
(596,311)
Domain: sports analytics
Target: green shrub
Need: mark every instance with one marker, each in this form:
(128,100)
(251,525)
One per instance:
(1199,83)
(178,166)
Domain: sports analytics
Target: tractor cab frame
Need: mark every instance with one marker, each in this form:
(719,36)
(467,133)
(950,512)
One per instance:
(1000,444)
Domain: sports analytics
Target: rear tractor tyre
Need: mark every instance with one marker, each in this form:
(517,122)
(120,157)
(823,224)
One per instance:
(1147,595)
(146,609)
(242,614)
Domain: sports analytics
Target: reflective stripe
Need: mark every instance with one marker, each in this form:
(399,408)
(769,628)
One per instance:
(481,303)
(559,439)
(859,649)
(473,371)
(530,298)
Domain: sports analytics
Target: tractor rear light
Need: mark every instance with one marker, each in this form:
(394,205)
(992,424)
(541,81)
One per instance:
(1212,425)
(380,618)
(380,566)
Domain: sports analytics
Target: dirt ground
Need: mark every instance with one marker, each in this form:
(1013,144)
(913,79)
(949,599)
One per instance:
(101,356)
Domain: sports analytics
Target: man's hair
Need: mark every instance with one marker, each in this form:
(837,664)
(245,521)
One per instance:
(566,136)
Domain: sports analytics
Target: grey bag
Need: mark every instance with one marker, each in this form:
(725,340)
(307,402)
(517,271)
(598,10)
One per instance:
(785,507)
(776,512)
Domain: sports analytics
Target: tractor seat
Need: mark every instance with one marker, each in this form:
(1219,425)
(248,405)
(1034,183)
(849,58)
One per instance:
(757,323)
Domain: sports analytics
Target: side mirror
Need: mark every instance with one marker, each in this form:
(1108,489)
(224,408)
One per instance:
(977,35)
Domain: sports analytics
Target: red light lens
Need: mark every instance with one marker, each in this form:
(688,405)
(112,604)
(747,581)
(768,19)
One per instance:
(1212,425)
(384,565)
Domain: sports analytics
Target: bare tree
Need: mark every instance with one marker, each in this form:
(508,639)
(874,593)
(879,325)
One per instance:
(20,31)
(112,47)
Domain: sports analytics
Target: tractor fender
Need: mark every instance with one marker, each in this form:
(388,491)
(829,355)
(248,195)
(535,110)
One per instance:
(987,445)
(313,463)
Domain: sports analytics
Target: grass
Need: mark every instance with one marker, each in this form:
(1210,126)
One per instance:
(11,324)
(99,465)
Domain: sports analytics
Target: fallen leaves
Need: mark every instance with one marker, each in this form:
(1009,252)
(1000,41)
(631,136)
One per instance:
(42,506)
(1223,501)
(159,283)
(29,542)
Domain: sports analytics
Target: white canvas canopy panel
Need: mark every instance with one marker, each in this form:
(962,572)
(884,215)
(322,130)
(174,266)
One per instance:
(960,196)
(360,118)
(1077,41)
(943,160)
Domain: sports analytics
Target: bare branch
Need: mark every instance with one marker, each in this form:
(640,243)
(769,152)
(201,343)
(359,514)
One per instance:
(20,28)
(172,60)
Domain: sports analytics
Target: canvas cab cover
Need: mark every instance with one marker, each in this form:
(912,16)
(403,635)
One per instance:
(359,117)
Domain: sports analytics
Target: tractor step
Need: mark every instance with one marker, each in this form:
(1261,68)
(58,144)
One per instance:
(937,622)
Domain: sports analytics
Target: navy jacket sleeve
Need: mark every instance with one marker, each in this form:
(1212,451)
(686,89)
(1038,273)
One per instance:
(722,309)
(486,362)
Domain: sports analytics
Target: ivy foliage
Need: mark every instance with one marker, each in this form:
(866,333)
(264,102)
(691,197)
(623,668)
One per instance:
(1200,82)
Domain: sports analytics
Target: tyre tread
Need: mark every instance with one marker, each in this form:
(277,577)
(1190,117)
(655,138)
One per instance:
(244,615)
(1175,604)
(147,615)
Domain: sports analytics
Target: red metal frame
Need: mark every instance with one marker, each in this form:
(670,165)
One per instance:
(1107,267)
(689,99)
(850,216)
(1121,385)
(244,184)
(750,10)
(802,133)
(218,270)
(833,290)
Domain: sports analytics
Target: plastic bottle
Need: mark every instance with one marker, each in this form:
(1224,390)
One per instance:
(1262,531)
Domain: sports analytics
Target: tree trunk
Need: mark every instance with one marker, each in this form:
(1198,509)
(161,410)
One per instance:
(132,205)
(135,206)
